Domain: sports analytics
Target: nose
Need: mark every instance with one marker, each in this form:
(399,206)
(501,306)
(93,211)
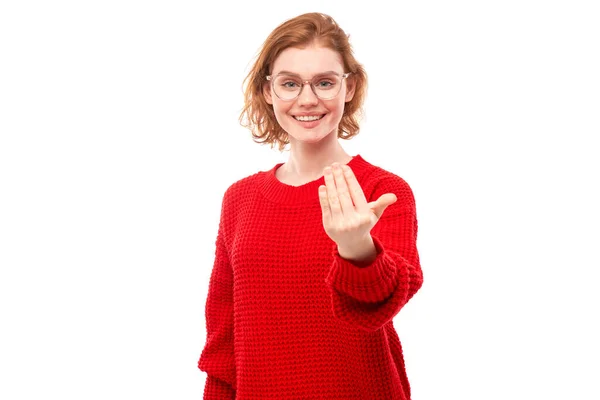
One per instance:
(307,96)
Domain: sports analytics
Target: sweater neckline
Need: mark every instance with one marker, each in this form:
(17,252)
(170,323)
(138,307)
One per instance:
(275,190)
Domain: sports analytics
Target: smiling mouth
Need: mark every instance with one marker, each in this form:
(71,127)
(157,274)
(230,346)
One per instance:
(308,118)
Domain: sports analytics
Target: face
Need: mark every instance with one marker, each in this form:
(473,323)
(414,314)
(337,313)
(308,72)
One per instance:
(307,63)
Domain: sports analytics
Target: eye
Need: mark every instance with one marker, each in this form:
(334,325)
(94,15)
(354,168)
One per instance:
(325,83)
(289,84)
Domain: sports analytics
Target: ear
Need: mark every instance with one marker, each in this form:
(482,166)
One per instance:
(350,88)
(267,92)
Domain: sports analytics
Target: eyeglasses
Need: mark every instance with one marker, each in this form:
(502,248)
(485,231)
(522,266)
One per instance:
(325,86)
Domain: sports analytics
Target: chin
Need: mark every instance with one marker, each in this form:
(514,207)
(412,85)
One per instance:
(309,136)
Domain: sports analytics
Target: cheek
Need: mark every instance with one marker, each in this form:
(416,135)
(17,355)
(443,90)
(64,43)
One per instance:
(336,108)
(280,109)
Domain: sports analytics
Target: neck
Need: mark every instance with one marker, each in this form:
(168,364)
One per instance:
(306,162)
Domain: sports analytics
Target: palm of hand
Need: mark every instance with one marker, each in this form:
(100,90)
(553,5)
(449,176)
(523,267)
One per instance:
(347,217)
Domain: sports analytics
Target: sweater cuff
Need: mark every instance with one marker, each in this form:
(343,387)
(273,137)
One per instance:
(216,389)
(372,283)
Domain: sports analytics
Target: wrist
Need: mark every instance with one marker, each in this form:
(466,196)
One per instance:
(363,252)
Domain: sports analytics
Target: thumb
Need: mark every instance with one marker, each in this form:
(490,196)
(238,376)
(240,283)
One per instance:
(383,202)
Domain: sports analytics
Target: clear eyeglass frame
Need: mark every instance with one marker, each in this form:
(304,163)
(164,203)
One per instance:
(310,82)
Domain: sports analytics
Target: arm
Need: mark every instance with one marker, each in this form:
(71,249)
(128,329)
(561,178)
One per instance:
(217,358)
(370,283)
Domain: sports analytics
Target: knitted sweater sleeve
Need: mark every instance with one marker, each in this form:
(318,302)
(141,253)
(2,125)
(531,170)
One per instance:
(370,296)
(217,358)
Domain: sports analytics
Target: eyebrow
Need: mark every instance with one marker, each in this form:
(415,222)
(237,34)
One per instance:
(295,74)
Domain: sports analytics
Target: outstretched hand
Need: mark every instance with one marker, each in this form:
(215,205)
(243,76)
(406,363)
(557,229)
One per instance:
(347,217)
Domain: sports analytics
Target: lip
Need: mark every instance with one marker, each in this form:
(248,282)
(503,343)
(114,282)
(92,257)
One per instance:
(310,114)
(309,124)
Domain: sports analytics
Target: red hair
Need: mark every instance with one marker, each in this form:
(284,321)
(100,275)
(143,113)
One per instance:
(301,31)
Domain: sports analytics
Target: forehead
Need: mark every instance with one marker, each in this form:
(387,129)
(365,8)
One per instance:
(308,61)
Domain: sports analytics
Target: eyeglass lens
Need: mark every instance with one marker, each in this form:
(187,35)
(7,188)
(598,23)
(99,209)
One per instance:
(288,87)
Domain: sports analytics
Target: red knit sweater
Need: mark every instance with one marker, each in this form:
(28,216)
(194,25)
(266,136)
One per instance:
(286,316)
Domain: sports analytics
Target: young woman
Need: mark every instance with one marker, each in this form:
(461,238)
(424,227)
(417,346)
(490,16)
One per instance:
(316,256)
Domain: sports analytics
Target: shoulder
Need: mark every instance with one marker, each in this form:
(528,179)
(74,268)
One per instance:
(240,189)
(377,181)
(235,202)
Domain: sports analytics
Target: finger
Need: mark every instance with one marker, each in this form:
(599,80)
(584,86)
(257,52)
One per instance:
(383,202)
(334,201)
(342,190)
(326,210)
(356,192)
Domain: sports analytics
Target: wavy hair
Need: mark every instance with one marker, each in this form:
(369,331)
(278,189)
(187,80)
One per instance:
(301,31)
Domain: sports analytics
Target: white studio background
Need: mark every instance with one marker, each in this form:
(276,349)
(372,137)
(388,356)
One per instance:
(119,136)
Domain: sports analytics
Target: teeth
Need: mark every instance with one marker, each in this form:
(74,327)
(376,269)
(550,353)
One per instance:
(308,118)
